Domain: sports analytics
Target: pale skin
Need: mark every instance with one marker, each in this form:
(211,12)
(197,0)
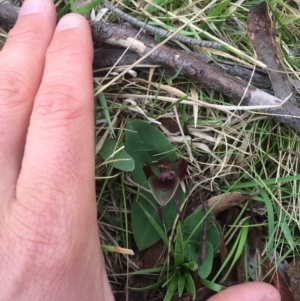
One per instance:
(50,248)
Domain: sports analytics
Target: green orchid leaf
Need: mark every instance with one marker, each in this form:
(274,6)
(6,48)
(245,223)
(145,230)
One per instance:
(146,144)
(179,250)
(191,266)
(172,288)
(190,285)
(206,266)
(181,282)
(192,229)
(116,155)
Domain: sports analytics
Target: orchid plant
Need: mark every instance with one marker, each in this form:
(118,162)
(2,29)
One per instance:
(164,188)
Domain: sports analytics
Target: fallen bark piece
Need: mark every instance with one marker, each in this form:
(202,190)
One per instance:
(261,35)
(220,203)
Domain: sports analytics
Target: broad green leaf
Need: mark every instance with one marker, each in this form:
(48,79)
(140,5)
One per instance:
(206,266)
(158,229)
(146,144)
(121,160)
(144,233)
(192,250)
(192,229)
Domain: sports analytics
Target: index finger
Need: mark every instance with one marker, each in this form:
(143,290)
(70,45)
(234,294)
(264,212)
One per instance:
(22,62)
(58,164)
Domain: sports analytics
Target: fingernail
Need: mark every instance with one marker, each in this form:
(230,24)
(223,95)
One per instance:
(68,21)
(271,298)
(33,6)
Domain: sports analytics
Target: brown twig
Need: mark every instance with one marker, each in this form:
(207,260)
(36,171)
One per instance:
(108,56)
(201,72)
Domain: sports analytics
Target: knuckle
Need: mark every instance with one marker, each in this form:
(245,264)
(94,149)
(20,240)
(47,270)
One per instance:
(12,88)
(25,34)
(69,48)
(59,102)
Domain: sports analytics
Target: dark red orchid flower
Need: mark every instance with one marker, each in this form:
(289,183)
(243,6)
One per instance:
(165,186)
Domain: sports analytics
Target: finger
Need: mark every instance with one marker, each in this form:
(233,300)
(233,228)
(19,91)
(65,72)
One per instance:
(58,164)
(254,291)
(22,63)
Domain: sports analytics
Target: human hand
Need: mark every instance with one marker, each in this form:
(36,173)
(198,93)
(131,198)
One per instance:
(252,291)
(49,246)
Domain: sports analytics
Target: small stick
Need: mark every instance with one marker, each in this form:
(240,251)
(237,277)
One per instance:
(159,211)
(204,239)
(159,31)
(176,201)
